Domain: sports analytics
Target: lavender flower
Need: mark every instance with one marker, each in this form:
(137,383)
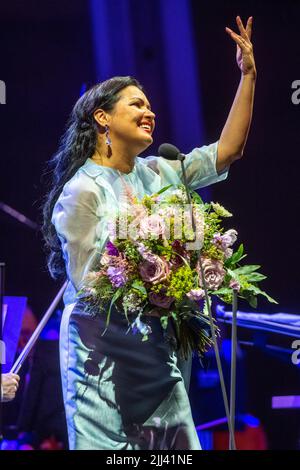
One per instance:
(226,240)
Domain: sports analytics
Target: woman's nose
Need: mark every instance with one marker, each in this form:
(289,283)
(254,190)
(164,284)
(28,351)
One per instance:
(150,114)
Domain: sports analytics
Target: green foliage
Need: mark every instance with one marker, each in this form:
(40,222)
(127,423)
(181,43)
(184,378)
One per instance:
(165,188)
(181,282)
(139,288)
(164,320)
(213,252)
(196,198)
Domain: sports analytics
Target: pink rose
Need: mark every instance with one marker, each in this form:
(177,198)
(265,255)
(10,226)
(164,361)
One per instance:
(160,299)
(153,225)
(154,269)
(214,273)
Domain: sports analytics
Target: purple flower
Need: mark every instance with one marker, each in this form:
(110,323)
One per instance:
(230,237)
(178,248)
(235,285)
(218,241)
(226,240)
(117,276)
(160,299)
(111,249)
(143,250)
(196,294)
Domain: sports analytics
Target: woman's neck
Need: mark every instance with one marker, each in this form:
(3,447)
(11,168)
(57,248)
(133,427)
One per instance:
(118,161)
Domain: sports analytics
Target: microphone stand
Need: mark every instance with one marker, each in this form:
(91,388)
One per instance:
(35,335)
(230,415)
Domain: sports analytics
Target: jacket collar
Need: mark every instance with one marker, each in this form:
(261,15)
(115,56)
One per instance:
(94,170)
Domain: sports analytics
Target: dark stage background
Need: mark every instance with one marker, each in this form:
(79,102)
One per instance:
(48,55)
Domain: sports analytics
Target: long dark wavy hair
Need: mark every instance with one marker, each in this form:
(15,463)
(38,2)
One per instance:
(76,145)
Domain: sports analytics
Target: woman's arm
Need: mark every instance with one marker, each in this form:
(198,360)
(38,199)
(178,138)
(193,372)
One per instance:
(234,134)
(75,217)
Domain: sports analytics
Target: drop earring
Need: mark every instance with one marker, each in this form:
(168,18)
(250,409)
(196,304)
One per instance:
(107,137)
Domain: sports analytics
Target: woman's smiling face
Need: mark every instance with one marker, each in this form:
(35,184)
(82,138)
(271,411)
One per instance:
(132,120)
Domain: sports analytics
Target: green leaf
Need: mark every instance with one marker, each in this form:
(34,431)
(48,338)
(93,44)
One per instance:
(223,290)
(164,321)
(136,285)
(258,291)
(247,269)
(165,188)
(232,274)
(205,309)
(250,298)
(116,295)
(236,256)
(126,312)
(255,277)
(197,198)
(252,301)
(174,315)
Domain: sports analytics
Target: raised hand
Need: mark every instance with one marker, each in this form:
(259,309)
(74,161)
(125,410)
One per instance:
(244,53)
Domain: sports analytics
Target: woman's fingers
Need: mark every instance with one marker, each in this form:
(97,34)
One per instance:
(245,33)
(249,27)
(241,28)
(238,39)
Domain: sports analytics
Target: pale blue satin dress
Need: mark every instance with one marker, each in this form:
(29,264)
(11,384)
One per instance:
(121,393)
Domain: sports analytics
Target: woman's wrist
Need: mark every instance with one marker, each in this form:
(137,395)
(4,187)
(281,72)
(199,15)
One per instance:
(251,75)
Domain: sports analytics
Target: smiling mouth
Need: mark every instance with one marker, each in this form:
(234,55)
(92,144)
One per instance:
(146,127)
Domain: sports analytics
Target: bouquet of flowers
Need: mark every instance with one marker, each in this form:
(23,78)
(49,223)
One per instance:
(151,265)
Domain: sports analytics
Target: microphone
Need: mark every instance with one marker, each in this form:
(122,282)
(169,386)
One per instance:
(170,152)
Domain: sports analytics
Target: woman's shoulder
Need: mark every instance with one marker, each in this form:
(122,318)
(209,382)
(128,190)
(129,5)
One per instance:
(81,185)
(149,163)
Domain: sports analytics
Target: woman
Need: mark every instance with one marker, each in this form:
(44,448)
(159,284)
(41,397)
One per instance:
(119,392)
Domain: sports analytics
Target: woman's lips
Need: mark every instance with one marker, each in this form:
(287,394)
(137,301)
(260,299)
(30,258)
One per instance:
(146,127)
(147,130)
